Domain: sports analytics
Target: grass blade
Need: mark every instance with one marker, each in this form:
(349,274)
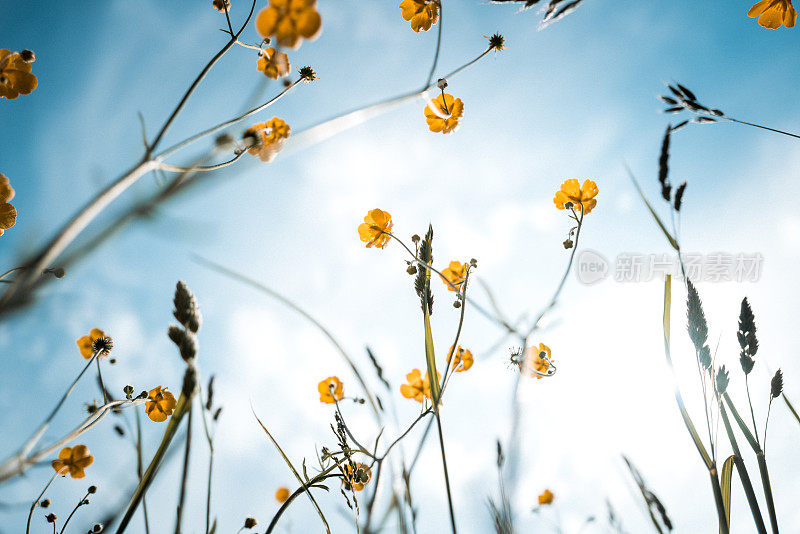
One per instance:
(791,408)
(430,359)
(673,243)
(727,476)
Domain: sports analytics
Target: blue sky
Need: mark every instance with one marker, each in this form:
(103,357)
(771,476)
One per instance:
(575,100)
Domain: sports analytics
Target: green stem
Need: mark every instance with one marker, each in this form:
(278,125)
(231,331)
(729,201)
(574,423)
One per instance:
(140,469)
(723,520)
(185,476)
(446,475)
(34,503)
(762,467)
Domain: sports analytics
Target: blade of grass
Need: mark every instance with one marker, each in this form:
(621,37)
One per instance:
(727,477)
(673,243)
(791,408)
(430,358)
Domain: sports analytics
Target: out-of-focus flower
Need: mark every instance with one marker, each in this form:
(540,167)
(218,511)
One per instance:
(282,494)
(324,388)
(455,274)
(269,138)
(447,115)
(96,341)
(418,388)
(222,5)
(421,13)
(273,64)
(289,21)
(356,476)
(160,404)
(578,195)
(15,73)
(773,14)
(374,231)
(73,461)
(533,359)
(461,360)
(546,497)
(8,213)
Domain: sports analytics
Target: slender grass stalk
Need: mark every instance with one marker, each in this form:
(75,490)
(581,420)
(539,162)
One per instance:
(34,503)
(140,470)
(437,416)
(438,45)
(185,474)
(210,441)
(69,517)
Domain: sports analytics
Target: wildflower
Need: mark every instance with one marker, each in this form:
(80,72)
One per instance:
(15,73)
(579,195)
(773,14)
(356,476)
(290,21)
(447,114)
(497,42)
(418,388)
(97,341)
(222,5)
(374,231)
(8,213)
(307,74)
(160,404)
(534,362)
(269,137)
(273,64)
(422,13)
(546,497)
(455,275)
(462,359)
(72,461)
(329,389)
(282,495)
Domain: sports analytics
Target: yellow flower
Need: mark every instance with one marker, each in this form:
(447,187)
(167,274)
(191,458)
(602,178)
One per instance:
(374,230)
(579,195)
(448,113)
(422,13)
(773,14)
(290,21)
(273,64)
(324,389)
(72,461)
(546,497)
(160,404)
(534,362)
(282,495)
(356,477)
(462,360)
(96,341)
(418,388)
(269,138)
(455,274)
(15,73)
(8,213)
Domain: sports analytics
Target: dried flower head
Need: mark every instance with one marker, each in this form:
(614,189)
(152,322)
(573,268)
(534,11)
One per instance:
(15,74)
(307,74)
(160,404)
(580,196)
(773,14)
(73,461)
(273,64)
(289,21)
(447,114)
(375,229)
(250,522)
(496,42)
(96,341)
(282,494)
(268,138)
(329,389)
(421,13)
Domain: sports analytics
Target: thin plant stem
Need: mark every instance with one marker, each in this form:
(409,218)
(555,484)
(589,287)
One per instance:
(100,379)
(80,503)
(438,46)
(210,441)
(752,413)
(299,491)
(185,476)
(140,469)
(446,475)
(34,503)
(762,467)
(764,127)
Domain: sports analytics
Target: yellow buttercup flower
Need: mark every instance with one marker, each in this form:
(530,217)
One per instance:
(356,476)
(455,274)
(546,497)
(324,389)
(422,13)
(578,195)
(447,115)
(282,495)
(462,360)
(8,213)
(72,461)
(268,138)
(418,388)
(160,404)
(273,64)
(15,73)
(374,231)
(534,362)
(773,14)
(96,341)
(289,21)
